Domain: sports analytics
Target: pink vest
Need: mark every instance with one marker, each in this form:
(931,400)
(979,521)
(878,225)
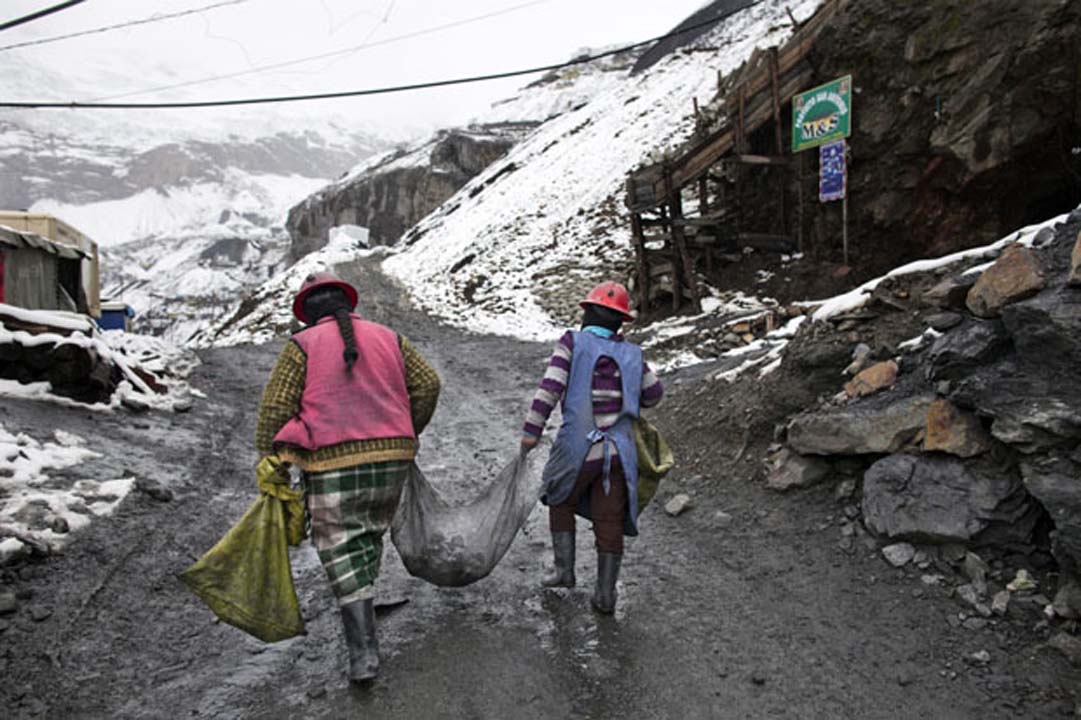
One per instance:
(337,406)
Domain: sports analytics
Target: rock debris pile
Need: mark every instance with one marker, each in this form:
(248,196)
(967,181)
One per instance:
(964,441)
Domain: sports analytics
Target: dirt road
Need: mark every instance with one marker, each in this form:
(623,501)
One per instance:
(755,614)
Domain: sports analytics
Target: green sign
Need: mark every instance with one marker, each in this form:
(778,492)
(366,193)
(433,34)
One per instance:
(822,114)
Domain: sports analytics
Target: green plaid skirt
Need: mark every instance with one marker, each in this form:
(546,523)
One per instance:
(350,510)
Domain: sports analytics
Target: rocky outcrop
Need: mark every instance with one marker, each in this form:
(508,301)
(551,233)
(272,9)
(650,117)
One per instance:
(1014,276)
(955,431)
(964,120)
(938,499)
(390,195)
(978,441)
(860,429)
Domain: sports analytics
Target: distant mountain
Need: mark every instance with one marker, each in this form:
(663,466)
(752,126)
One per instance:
(185,226)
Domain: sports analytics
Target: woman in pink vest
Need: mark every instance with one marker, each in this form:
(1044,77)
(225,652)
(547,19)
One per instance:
(345,403)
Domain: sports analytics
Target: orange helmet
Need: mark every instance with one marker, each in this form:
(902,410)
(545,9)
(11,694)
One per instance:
(611,295)
(320,280)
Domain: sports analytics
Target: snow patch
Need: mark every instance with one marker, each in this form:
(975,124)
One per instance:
(36,507)
(857,298)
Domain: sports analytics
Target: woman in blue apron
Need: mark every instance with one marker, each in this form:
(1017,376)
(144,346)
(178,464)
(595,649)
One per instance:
(601,381)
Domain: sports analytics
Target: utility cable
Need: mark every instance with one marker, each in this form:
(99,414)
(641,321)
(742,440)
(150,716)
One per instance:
(372,91)
(118,26)
(40,14)
(323,56)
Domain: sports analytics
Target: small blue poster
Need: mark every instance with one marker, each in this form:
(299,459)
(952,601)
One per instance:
(832,171)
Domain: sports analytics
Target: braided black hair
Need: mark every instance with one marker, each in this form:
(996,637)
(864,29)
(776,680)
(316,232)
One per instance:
(333,301)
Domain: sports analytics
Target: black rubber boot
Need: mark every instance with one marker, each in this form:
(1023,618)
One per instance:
(562,574)
(359,620)
(604,597)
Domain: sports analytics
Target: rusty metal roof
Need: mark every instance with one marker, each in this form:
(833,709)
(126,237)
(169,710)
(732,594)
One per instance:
(22,239)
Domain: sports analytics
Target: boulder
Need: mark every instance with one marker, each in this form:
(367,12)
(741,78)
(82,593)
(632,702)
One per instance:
(1015,276)
(944,321)
(1046,331)
(899,554)
(791,470)
(954,431)
(932,498)
(678,505)
(1054,480)
(877,377)
(1067,602)
(1075,263)
(860,429)
(1069,646)
(949,294)
(975,343)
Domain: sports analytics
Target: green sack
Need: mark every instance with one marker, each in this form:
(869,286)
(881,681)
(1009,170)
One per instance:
(654,460)
(246,579)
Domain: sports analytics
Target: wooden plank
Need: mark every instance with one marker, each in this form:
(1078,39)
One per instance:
(685,264)
(641,260)
(758,159)
(777,136)
(783,77)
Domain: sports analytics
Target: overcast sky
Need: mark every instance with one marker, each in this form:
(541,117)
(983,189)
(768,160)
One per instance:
(490,36)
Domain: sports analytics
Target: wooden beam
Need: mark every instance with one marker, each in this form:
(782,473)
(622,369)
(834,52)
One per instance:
(641,260)
(678,239)
(777,132)
(757,159)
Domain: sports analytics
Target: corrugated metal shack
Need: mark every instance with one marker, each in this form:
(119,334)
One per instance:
(60,233)
(39,274)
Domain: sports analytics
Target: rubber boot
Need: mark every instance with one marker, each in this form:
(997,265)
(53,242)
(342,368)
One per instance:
(604,597)
(359,620)
(562,574)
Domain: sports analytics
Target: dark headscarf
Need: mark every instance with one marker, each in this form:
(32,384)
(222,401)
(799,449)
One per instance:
(601,317)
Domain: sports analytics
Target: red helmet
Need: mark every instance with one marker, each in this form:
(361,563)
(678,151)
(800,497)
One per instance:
(611,295)
(319,280)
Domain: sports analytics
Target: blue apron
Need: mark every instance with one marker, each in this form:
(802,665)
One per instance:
(578,432)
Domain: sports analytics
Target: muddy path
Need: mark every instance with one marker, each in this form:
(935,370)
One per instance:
(751,615)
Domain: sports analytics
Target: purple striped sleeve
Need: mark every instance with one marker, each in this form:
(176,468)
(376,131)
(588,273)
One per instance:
(652,389)
(558,366)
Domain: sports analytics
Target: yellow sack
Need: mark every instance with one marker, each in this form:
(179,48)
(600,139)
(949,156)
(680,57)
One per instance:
(246,579)
(655,459)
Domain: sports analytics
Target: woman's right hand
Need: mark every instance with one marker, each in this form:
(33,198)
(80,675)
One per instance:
(528,443)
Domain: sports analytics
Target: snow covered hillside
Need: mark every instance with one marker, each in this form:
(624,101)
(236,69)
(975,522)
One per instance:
(514,249)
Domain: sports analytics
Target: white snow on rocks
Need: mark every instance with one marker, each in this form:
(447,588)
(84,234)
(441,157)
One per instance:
(858,298)
(551,209)
(36,508)
(169,363)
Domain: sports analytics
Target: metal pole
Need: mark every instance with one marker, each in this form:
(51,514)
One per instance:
(844,230)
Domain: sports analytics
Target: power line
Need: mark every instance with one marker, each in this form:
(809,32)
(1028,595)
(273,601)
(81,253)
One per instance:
(372,91)
(322,56)
(40,14)
(118,26)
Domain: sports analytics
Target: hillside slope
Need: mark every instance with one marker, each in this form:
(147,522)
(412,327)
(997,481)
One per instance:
(514,249)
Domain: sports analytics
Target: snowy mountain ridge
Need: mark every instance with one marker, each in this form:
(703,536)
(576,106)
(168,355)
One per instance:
(515,248)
